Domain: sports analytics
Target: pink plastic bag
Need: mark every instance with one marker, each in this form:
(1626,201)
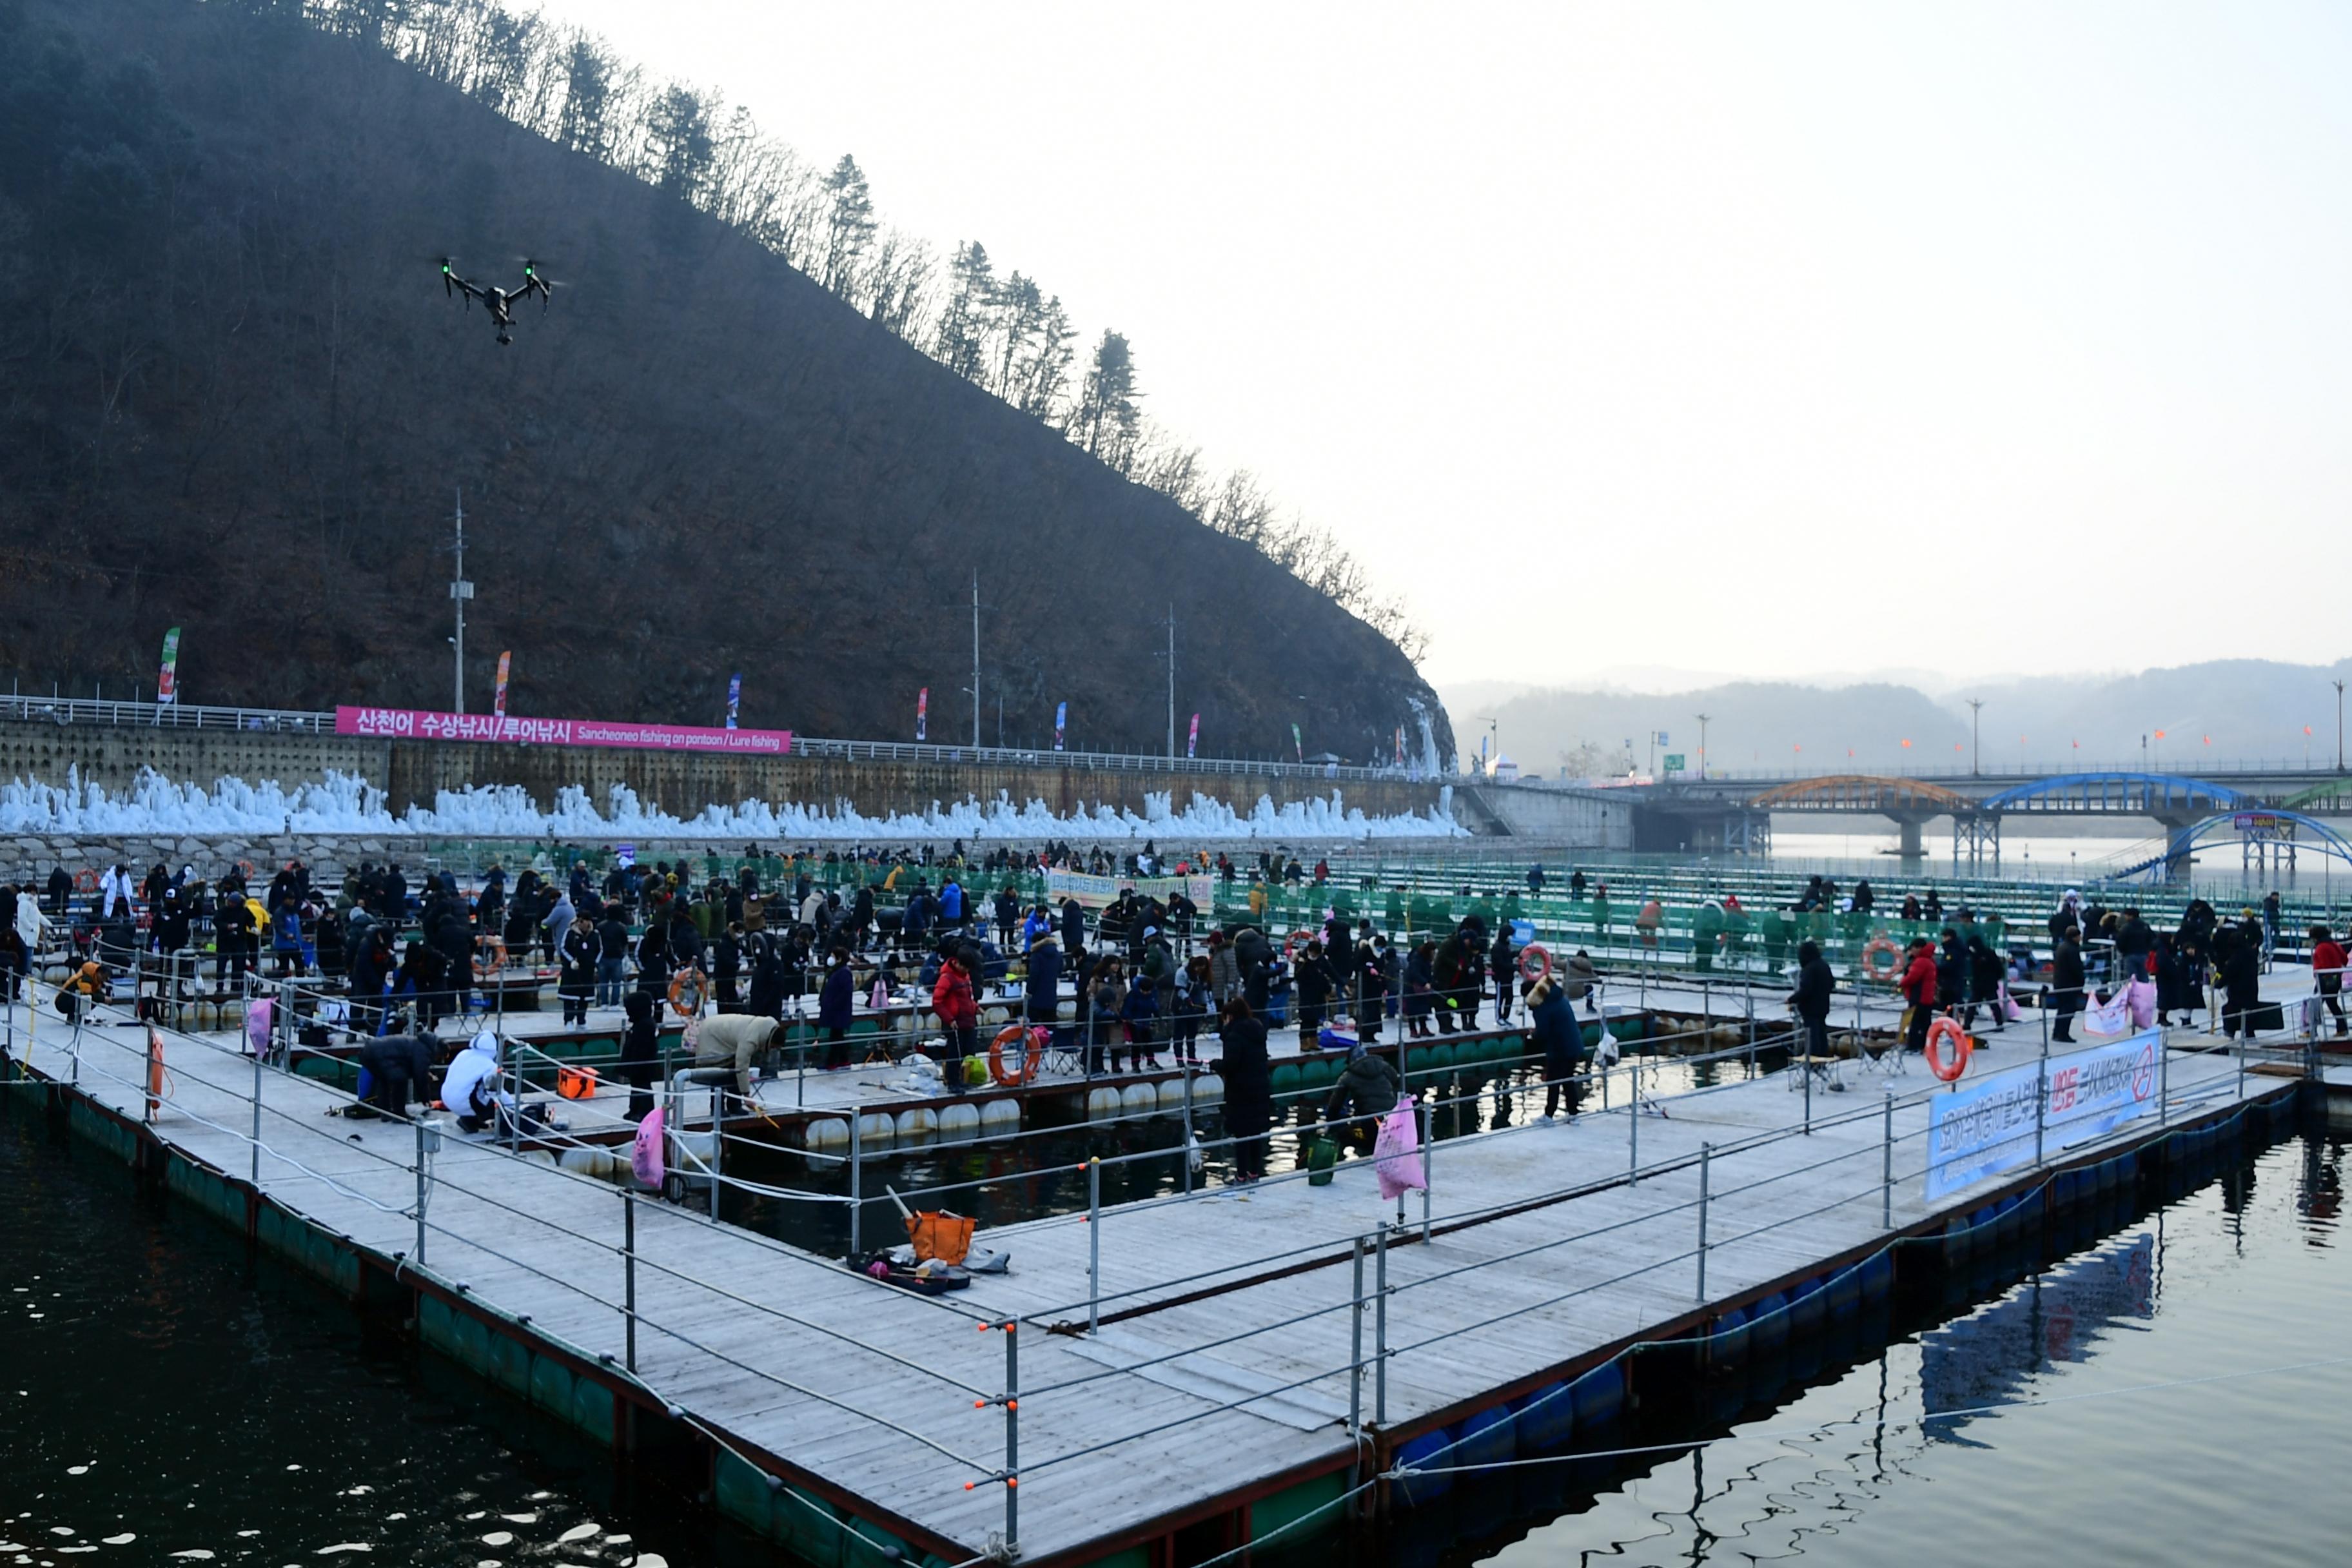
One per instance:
(259,1019)
(2140,995)
(1396,1153)
(646,1158)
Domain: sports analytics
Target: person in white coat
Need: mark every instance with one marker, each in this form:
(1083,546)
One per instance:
(116,893)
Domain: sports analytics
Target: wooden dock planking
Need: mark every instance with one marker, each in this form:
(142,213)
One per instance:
(1508,1324)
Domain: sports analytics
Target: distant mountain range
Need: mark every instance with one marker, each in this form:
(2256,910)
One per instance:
(2222,712)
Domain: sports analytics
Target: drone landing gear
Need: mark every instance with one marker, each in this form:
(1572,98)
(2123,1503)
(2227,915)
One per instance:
(505,337)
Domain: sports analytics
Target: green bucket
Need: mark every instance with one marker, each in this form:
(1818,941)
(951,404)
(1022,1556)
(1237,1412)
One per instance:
(1322,1160)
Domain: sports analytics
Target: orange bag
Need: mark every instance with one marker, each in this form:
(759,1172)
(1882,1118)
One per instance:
(946,1237)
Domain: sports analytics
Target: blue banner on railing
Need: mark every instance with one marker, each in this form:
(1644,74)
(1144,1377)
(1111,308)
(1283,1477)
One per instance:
(1989,1125)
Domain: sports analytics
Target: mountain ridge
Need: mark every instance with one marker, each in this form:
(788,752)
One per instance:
(693,461)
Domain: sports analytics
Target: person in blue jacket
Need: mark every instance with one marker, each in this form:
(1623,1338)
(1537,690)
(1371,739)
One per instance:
(1553,1028)
(833,1005)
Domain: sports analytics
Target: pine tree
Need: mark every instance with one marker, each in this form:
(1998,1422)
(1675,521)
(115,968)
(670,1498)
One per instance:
(1108,422)
(849,225)
(960,341)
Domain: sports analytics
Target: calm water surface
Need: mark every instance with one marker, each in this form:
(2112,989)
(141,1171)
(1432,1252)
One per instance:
(162,1385)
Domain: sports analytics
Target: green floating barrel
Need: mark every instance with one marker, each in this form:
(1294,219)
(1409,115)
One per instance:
(1284,1077)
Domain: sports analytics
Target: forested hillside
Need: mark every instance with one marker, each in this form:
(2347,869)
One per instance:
(234,398)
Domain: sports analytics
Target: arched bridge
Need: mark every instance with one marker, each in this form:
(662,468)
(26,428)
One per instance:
(2270,834)
(1865,792)
(2168,797)
(2175,800)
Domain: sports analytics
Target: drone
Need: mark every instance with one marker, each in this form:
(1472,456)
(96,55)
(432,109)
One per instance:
(499,301)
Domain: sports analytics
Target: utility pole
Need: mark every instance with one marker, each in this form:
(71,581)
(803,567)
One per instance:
(1975,703)
(975,658)
(2339,726)
(459,592)
(1702,719)
(1172,682)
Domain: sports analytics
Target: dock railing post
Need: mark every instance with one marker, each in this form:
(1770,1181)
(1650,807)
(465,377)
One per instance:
(1186,1163)
(1428,1148)
(857,1185)
(1380,1327)
(2163,1079)
(1803,1045)
(2041,1102)
(1633,1128)
(1094,1244)
(1886,1165)
(1706,1155)
(629,1276)
(419,1258)
(1356,1349)
(717,1140)
(1012,1436)
(255,1172)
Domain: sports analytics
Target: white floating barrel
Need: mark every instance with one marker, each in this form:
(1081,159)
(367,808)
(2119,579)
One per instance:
(1102,1104)
(919,1122)
(999,1116)
(960,1119)
(698,1144)
(827,1132)
(1171,1094)
(876,1127)
(1207,1088)
(1138,1100)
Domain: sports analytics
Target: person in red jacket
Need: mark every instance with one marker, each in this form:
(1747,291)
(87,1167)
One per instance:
(958,1011)
(1918,988)
(2327,960)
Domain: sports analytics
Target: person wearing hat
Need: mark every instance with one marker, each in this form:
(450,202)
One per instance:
(1554,1031)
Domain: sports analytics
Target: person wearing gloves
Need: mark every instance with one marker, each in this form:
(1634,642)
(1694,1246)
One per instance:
(738,1038)
(399,1070)
(471,1084)
(1368,1086)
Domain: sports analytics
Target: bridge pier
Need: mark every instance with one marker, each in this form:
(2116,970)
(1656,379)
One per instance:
(1910,846)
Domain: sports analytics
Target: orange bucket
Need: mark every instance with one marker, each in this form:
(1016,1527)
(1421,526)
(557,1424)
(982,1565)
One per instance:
(946,1237)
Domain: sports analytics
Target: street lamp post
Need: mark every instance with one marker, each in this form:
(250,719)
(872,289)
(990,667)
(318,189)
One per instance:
(1702,719)
(2339,726)
(1975,705)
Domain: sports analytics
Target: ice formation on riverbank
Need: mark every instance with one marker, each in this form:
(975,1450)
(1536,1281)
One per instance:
(347,804)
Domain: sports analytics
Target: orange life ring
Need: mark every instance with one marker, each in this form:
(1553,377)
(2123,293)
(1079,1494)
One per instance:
(245,868)
(1030,1056)
(498,959)
(1880,944)
(1942,1029)
(1298,943)
(576,1082)
(86,880)
(1535,962)
(688,983)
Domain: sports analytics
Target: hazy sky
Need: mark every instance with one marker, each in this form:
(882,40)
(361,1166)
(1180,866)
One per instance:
(1776,339)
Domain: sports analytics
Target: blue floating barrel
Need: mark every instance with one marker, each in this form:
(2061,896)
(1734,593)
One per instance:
(1877,1277)
(1726,1348)
(1487,1438)
(1807,1308)
(1545,1419)
(1420,1491)
(1600,1396)
(1768,1324)
(1844,1292)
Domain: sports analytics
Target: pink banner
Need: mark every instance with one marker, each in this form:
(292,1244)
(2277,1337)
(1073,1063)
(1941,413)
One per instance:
(414,724)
